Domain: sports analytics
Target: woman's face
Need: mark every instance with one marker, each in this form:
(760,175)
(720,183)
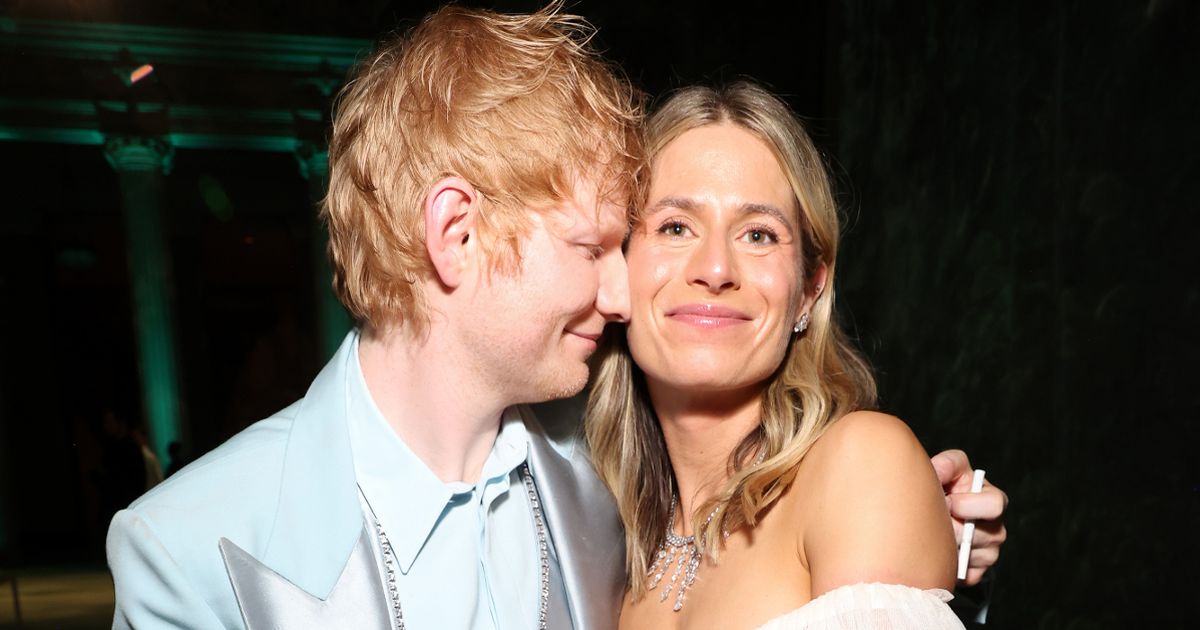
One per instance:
(714,267)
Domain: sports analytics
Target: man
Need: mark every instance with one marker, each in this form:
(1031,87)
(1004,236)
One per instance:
(480,171)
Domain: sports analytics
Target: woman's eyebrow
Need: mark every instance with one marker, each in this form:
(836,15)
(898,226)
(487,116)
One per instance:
(762,208)
(687,204)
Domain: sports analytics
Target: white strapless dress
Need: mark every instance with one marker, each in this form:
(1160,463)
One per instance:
(872,607)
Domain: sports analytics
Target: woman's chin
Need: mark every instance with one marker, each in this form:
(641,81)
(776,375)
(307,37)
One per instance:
(707,369)
(706,383)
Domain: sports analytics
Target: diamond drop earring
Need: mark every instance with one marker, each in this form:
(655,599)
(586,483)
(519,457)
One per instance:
(801,325)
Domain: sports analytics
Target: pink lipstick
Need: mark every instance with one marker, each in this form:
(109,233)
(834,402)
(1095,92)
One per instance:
(708,316)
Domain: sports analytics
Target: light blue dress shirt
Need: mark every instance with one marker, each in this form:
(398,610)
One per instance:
(466,554)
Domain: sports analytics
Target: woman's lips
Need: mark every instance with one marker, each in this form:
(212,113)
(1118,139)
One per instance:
(707,315)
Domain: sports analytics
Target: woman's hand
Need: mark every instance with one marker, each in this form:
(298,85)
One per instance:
(985,508)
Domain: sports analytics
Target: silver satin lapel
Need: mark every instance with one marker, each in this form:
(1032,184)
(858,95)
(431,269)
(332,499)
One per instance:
(269,601)
(558,614)
(586,532)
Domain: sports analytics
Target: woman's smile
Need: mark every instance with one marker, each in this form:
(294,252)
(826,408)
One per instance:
(707,316)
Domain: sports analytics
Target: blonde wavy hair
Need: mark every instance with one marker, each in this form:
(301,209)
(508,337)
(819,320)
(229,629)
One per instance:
(821,378)
(520,106)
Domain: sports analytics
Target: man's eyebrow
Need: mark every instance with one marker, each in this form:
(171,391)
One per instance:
(687,204)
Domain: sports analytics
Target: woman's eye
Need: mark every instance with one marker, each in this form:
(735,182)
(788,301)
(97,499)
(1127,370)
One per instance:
(760,236)
(674,229)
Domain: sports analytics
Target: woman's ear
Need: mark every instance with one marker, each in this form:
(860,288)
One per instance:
(814,286)
(451,207)
(817,283)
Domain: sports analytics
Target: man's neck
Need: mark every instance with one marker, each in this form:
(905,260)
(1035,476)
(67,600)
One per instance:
(445,415)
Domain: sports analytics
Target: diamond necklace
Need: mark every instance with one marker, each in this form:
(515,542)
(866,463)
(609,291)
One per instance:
(539,521)
(680,551)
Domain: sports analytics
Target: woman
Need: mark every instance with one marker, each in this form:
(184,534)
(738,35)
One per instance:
(754,489)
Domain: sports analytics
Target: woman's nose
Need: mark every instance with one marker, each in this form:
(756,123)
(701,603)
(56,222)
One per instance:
(713,267)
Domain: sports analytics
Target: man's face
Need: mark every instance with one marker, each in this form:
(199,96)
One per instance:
(537,327)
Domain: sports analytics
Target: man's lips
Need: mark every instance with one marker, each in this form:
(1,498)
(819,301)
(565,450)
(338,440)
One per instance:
(707,315)
(590,336)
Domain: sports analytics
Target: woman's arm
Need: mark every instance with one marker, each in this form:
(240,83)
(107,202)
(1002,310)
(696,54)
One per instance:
(876,512)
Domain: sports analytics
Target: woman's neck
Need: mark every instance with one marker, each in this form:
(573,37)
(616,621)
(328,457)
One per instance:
(701,431)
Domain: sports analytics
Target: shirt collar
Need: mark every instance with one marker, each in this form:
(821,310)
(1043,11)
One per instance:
(406,496)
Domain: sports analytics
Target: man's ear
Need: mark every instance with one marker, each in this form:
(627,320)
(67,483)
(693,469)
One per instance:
(451,207)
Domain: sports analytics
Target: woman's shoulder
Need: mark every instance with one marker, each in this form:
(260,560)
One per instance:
(864,464)
(874,511)
(863,442)
(867,453)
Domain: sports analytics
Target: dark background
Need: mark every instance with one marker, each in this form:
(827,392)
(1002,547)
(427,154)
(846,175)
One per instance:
(1019,181)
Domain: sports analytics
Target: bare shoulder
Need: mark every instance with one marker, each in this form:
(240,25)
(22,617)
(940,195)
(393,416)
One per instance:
(870,426)
(879,514)
(864,442)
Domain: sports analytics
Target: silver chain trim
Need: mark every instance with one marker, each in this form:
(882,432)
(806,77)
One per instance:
(389,563)
(543,547)
(539,521)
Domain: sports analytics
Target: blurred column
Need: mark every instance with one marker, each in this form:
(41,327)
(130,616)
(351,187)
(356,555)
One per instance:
(5,487)
(333,322)
(141,164)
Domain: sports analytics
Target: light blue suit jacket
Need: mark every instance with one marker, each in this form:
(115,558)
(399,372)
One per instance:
(284,491)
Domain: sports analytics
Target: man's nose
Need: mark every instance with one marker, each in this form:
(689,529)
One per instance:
(612,299)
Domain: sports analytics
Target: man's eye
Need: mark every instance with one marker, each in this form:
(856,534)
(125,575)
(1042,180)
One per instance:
(592,251)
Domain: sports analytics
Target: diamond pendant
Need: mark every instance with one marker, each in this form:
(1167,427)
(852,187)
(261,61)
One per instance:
(680,552)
